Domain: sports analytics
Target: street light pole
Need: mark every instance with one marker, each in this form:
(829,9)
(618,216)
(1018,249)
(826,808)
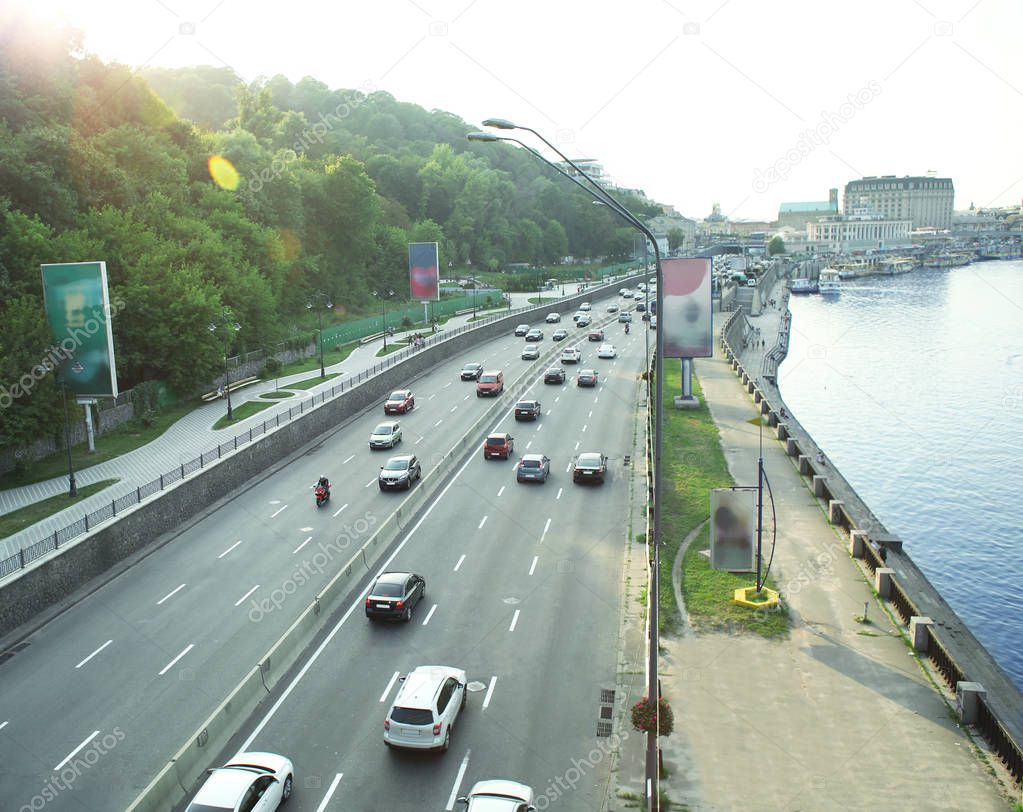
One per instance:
(653,689)
(72,485)
(225,322)
(383,312)
(319,323)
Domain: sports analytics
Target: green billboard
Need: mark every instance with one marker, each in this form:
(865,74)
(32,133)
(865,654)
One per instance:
(78,312)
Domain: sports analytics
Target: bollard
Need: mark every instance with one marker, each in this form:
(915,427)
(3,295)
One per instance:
(857,538)
(783,431)
(758,396)
(967,696)
(792,447)
(920,632)
(772,419)
(835,511)
(804,465)
(883,581)
(819,485)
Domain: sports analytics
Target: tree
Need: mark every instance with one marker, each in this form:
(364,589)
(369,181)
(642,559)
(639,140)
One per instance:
(776,245)
(676,239)
(555,243)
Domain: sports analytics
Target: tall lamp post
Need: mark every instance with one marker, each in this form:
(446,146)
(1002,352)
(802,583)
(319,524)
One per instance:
(319,294)
(225,320)
(72,485)
(383,312)
(653,692)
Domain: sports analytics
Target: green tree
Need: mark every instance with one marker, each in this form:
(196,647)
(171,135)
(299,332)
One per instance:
(676,239)
(555,243)
(776,245)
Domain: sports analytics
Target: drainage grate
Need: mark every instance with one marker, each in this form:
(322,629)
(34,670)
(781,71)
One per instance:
(627,460)
(607,696)
(606,711)
(603,729)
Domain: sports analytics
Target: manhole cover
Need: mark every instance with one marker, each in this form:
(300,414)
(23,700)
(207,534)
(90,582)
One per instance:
(475,686)
(512,601)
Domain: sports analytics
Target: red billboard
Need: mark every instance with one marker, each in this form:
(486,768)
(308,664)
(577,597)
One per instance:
(423,271)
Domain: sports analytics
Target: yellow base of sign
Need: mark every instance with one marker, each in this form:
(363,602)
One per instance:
(750,598)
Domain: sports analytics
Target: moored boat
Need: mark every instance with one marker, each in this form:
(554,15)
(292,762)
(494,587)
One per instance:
(828,284)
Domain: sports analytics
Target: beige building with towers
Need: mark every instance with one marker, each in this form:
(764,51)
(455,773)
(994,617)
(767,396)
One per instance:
(925,201)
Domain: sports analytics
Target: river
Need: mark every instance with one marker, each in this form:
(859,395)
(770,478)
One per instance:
(913,386)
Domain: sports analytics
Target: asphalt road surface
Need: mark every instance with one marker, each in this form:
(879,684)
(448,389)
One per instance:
(522,592)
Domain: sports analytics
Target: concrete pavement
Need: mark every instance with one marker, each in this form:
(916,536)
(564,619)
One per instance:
(190,437)
(841,714)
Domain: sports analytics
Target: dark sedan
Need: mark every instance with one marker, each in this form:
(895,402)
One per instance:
(589,467)
(527,410)
(399,472)
(586,377)
(395,595)
(471,372)
(554,375)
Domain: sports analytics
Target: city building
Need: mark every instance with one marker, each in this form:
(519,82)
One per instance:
(797,215)
(663,223)
(925,201)
(859,231)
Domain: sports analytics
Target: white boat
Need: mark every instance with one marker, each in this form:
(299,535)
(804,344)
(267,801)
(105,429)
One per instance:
(802,284)
(828,283)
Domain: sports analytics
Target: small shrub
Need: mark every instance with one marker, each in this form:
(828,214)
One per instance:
(406,322)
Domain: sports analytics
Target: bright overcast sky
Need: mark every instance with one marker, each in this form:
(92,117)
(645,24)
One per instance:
(741,102)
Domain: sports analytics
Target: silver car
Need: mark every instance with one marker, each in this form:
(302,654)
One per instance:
(425,709)
(530,352)
(385,435)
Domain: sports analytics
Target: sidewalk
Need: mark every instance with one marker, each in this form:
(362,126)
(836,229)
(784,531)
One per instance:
(194,434)
(838,716)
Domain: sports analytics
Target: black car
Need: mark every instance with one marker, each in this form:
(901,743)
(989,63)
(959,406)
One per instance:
(554,375)
(589,467)
(471,372)
(399,472)
(395,595)
(641,307)
(527,410)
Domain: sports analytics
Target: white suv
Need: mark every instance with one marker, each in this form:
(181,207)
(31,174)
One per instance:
(425,709)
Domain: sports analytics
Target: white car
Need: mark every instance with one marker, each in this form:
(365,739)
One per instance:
(612,308)
(260,781)
(653,322)
(570,355)
(499,795)
(530,352)
(607,351)
(385,435)
(585,306)
(623,291)
(425,709)
(553,318)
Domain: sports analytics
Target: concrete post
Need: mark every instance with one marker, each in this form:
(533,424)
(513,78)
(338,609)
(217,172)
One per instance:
(967,695)
(783,431)
(883,581)
(791,447)
(919,632)
(835,511)
(758,396)
(818,485)
(857,538)
(804,465)
(750,386)
(772,419)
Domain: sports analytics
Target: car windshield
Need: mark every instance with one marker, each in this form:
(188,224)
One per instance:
(396,465)
(589,461)
(488,379)
(524,404)
(412,716)
(470,368)
(397,396)
(386,590)
(383,428)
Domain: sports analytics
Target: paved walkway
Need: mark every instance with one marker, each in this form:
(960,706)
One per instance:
(838,716)
(193,434)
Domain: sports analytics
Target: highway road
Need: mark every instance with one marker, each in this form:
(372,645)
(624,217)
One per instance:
(524,579)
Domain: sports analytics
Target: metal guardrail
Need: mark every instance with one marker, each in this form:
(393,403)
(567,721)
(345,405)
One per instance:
(26,555)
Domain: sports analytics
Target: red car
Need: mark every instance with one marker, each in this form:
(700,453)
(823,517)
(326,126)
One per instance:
(399,402)
(498,445)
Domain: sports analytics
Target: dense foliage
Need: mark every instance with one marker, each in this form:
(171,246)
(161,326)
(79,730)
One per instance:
(332,185)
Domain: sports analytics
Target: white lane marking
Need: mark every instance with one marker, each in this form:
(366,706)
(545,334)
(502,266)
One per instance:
(559,493)
(466,397)
(229,549)
(303,544)
(336,512)
(549,412)
(432,396)
(370,483)
(528,445)
(458,782)
(453,408)
(569,469)
(556,400)
(460,560)
(532,567)
(540,427)
(357,603)
(483,521)
(577,444)
(446,385)
(546,527)
(74,752)
(345,462)
(97,651)
(330,792)
(438,422)
(170,594)
(501,491)
(430,614)
(243,597)
(584,426)
(590,414)
(390,684)
(282,507)
(515,619)
(4,724)
(490,691)
(595,399)
(171,664)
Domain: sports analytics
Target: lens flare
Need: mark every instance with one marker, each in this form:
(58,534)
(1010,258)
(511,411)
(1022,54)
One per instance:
(223,172)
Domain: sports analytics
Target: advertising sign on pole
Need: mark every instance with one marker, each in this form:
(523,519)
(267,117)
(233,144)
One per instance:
(686,321)
(78,311)
(424,271)
(733,530)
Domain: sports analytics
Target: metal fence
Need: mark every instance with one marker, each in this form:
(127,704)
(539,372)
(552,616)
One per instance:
(115,506)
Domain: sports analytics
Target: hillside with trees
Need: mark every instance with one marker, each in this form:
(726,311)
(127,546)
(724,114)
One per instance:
(98,162)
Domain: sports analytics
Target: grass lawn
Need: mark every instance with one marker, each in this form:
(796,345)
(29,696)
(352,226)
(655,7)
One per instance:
(246,409)
(11,523)
(280,393)
(694,464)
(330,357)
(309,383)
(111,444)
(392,346)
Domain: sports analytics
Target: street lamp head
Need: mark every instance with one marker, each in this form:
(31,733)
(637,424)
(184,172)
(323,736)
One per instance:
(237,327)
(330,305)
(213,327)
(483,137)
(308,305)
(499,123)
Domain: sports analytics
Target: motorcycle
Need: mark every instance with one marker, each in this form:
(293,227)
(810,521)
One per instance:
(322,494)
(626,328)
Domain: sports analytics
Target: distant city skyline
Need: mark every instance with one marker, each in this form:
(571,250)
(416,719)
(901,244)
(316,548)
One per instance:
(695,103)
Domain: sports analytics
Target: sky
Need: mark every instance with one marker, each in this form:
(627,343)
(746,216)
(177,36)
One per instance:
(744,103)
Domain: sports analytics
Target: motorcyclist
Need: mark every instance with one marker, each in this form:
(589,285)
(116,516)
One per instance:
(626,328)
(324,483)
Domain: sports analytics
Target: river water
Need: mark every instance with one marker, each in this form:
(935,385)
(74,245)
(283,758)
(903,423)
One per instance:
(913,386)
